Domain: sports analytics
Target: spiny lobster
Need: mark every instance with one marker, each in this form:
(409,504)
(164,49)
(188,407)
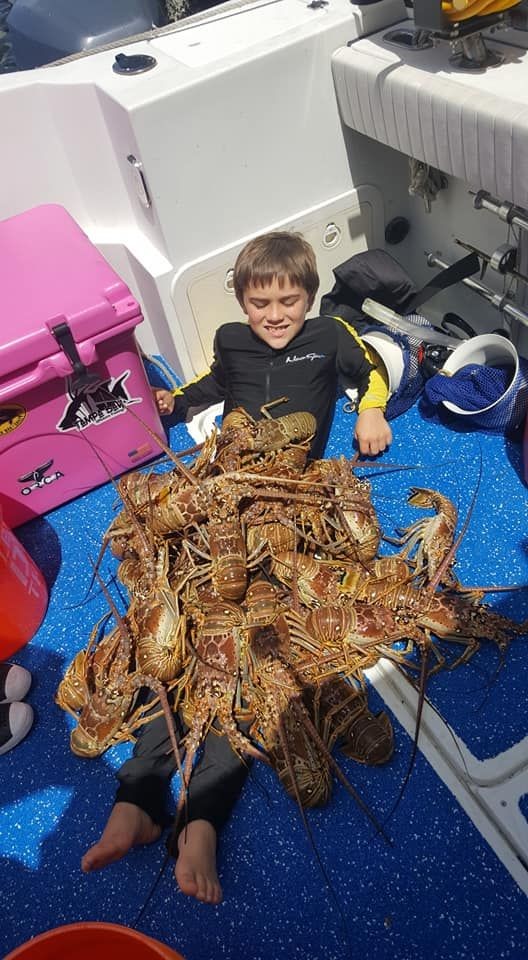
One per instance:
(257,594)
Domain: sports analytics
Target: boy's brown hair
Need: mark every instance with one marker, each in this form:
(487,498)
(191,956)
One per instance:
(277,254)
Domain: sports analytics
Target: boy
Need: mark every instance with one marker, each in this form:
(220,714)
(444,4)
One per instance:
(278,353)
(275,280)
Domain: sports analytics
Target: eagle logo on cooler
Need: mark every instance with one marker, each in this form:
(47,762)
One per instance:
(38,478)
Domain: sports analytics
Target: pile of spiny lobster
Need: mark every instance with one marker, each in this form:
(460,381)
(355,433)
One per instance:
(258,599)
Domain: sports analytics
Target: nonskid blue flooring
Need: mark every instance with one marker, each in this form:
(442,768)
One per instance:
(438,891)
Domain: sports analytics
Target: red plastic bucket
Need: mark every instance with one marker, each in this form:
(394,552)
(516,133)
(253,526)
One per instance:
(84,941)
(23,594)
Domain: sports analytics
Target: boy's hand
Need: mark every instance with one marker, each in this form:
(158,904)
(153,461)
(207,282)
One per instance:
(372,432)
(164,401)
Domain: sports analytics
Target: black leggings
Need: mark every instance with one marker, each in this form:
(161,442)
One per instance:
(215,786)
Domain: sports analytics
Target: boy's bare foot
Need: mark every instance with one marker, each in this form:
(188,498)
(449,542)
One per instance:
(127,827)
(195,869)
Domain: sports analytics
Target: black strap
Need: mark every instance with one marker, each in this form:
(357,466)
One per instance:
(446,278)
(462,329)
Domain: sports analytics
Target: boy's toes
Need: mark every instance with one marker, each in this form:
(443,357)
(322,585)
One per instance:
(199,886)
(187,883)
(208,891)
(216,894)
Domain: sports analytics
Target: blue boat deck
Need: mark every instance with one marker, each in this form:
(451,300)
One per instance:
(439,890)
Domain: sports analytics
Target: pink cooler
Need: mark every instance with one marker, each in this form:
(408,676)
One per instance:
(75,404)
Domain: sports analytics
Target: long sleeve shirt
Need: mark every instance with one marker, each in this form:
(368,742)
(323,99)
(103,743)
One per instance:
(248,373)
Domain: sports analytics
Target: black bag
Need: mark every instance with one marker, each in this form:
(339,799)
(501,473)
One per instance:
(376,275)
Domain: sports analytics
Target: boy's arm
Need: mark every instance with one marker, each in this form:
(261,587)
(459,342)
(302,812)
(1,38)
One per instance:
(361,366)
(372,431)
(206,388)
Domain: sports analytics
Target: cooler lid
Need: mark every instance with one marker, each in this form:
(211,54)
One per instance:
(51,274)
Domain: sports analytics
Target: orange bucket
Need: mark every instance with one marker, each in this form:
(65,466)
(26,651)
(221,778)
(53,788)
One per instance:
(23,593)
(84,941)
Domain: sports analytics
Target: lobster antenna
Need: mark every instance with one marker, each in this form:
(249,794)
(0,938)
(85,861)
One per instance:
(302,713)
(493,588)
(97,564)
(123,497)
(296,604)
(446,723)
(392,467)
(174,458)
(431,587)
(492,680)
(414,751)
(117,616)
(167,856)
(150,894)
(309,832)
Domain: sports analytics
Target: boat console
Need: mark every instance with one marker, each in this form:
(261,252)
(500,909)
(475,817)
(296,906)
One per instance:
(462,23)
(451,96)
(470,125)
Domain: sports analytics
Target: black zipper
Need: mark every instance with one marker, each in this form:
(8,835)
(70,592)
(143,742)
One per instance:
(267,386)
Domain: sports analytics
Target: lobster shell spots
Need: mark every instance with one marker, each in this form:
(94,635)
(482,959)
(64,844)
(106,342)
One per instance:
(369,739)
(159,651)
(72,690)
(161,661)
(329,624)
(279,537)
(302,767)
(261,602)
(230,577)
(310,769)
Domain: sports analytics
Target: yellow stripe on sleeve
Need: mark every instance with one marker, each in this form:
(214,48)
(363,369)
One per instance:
(179,391)
(377,392)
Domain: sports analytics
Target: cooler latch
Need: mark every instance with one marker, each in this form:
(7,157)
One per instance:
(64,338)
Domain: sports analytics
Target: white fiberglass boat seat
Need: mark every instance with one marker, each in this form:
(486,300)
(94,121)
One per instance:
(472,124)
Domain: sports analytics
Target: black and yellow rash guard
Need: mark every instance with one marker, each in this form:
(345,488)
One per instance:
(247,373)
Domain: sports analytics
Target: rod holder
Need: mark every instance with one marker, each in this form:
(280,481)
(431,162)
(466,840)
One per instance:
(497,300)
(505,211)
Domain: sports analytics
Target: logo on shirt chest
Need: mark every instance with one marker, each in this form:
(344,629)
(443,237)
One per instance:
(306,356)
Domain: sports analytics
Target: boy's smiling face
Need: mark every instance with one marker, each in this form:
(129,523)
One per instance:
(276,311)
